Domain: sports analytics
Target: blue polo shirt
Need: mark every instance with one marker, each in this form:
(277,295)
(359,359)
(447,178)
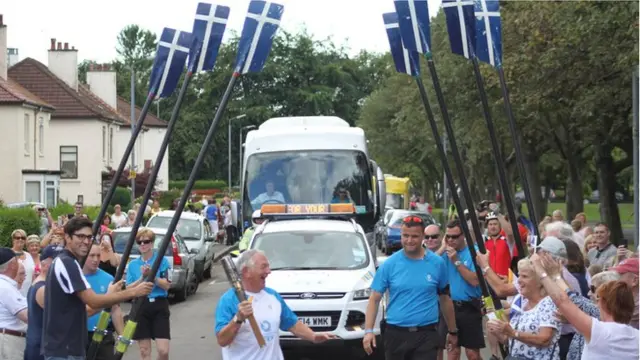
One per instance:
(99,281)
(413,286)
(134,272)
(460,289)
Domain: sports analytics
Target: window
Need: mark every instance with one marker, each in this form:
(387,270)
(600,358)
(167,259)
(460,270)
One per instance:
(32,191)
(104,142)
(41,137)
(69,162)
(110,144)
(51,194)
(26,133)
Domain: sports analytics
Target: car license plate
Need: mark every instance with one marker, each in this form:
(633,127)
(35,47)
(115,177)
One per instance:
(316,321)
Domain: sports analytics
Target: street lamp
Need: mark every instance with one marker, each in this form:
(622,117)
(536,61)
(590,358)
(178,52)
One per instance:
(229,140)
(240,152)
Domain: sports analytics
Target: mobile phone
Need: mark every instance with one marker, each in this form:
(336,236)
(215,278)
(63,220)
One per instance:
(60,220)
(624,243)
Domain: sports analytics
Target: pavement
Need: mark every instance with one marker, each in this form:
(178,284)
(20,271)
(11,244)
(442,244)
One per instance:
(192,324)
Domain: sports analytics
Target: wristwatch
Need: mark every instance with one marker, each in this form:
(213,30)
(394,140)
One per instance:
(542,276)
(453,332)
(457,263)
(237,320)
(485,269)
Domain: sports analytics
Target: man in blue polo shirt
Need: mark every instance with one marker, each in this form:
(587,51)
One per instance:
(153,322)
(100,281)
(465,293)
(416,280)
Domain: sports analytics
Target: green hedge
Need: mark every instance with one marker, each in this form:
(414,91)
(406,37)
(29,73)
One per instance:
(12,219)
(65,208)
(199,185)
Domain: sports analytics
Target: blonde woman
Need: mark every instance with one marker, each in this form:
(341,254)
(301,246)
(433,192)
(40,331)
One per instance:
(19,238)
(33,248)
(533,331)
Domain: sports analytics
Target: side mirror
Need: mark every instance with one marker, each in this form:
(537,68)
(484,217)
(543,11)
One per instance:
(209,239)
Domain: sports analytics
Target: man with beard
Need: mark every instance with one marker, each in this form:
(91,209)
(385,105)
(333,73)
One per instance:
(418,286)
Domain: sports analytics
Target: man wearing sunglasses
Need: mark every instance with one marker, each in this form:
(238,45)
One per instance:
(417,285)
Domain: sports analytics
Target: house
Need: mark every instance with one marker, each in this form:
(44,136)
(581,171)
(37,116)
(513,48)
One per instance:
(31,171)
(84,132)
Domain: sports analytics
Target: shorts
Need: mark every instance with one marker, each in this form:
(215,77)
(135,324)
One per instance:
(469,323)
(214,226)
(402,344)
(153,322)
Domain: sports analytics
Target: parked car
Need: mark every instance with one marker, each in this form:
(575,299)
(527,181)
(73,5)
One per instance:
(388,229)
(183,278)
(595,196)
(194,229)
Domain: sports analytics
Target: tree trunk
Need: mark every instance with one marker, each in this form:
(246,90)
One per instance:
(533,176)
(607,187)
(574,191)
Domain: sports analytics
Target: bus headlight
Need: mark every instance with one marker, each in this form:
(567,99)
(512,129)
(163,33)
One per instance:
(362,294)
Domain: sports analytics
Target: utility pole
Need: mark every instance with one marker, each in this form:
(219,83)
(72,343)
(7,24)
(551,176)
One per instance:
(240,152)
(229,146)
(133,129)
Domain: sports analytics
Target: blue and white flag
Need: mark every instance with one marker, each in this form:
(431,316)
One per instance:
(461,25)
(260,26)
(406,61)
(413,17)
(194,55)
(173,48)
(488,32)
(208,27)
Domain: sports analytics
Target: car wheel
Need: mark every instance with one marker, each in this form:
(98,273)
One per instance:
(207,272)
(182,294)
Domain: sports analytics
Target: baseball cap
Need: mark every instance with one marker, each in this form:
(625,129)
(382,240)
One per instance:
(50,251)
(554,246)
(630,265)
(6,255)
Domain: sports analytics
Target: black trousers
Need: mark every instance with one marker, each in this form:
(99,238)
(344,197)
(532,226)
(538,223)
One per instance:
(106,349)
(411,343)
(564,342)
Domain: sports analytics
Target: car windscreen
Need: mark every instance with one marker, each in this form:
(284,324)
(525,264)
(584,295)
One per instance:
(188,229)
(120,241)
(329,250)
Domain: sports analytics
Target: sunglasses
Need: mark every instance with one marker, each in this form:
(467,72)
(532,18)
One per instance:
(434,237)
(19,238)
(448,236)
(412,219)
(144,242)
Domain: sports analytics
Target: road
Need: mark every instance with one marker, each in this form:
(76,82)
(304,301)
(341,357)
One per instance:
(192,325)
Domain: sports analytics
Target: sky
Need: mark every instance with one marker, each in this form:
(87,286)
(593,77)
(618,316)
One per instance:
(93,26)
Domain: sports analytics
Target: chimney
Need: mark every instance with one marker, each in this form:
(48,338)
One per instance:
(3,49)
(102,82)
(63,62)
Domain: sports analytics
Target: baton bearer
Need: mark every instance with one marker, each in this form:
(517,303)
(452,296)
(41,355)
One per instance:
(234,278)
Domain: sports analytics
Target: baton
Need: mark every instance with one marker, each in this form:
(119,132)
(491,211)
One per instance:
(234,279)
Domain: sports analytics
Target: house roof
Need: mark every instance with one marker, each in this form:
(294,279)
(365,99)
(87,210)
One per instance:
(124,108)
(69,104)
(11,93)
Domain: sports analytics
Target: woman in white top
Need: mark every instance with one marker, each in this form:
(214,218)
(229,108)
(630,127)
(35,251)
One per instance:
(19,238)
(533,331)
(609,337)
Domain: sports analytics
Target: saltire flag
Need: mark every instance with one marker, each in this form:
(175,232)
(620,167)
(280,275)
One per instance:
(413,17)
(209,26)
(461,25)
(260,26)
(406,61)
(488,32)
(173,48)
